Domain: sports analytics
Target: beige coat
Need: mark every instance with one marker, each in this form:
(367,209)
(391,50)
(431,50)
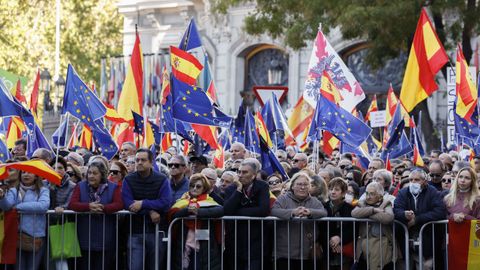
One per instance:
(379,249)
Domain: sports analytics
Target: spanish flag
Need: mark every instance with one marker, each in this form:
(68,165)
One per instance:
(185,66)
(167,141)
(207,133)
(85,140)
(262,129)
(219,158)
(329,90)
(427,57)
(300,119)
(463,244)
(131,97)
(373,108)
(8,236)
(15,129)
(466,91)
(36,166)
(112,114)
(165,85)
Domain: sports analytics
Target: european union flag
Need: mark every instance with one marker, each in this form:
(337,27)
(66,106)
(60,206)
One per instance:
(4,153)
(237,126)
(154,152)
(156,133)
(252,142)
(398,148)
(342,124)
(35,140)
(103,140)
(59,136)
(138,123)
(191,38)
(9,105)
(169,124)
(270,163)
(79,101)
(192,105)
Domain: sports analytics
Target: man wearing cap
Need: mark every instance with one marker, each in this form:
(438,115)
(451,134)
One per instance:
(197,164)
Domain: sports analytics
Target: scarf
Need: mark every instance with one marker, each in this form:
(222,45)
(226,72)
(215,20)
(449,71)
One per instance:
(95,194)
(203,200)
(22,190)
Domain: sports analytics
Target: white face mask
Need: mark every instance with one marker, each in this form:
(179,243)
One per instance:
(348,198)
(415,188)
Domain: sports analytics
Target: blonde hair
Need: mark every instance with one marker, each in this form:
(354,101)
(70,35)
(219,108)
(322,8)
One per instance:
(202,178)
(474,193)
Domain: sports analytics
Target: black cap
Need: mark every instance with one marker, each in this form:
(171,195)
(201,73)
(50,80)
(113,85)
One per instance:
(201,159)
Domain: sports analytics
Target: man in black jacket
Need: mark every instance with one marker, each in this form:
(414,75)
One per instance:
(250,198)
(416,205)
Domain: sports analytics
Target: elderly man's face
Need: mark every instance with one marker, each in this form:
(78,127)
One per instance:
(417,177)
(125,151)
(371,196)
(436,172)
(246,175)
(237,152)
(299,161)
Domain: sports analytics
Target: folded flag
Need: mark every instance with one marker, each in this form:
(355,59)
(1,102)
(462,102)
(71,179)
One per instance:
(36,166)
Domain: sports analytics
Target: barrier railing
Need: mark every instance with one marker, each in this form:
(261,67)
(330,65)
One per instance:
(76,244)
(273,243)
(441,228)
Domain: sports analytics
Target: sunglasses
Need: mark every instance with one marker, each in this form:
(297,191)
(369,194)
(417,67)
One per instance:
(274,182)
(447,181)
(174,165)
(196,186)
(234,169)
(398,172)
(71,174)
(435,175)
(297,160)
(114,172)
(349,178)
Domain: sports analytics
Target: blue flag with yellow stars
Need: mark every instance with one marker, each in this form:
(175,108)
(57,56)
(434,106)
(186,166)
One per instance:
(138,123)
(103,140)
(252,142)
(4,153)
(191,38)
(169,124)
(35,140)
(192,105)
(397,144)
(270,163)
(80,101)
(156,133)
(236,128)
(341,123)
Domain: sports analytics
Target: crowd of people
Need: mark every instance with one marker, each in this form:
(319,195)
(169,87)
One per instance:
(157,188)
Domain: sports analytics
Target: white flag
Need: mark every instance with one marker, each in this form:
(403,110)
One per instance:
(324,57)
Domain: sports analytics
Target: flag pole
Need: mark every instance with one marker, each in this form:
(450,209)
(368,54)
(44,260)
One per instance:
(177,146)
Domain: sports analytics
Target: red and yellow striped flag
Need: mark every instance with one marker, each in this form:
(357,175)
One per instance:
(262,129)
(463,244)
(300,119)
(185,66)
(8,236)
(36,166)
(329,90)
(207,133)
(466,91)
(427,57)
(373,108)
(86,138)
(15,129)
(167,141)
(131,97)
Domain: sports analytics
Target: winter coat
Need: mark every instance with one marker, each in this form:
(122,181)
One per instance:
(300,235)
(379,249)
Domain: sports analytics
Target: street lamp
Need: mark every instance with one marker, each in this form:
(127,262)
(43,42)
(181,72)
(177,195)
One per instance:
(274,73)
(60,89)
(45,78)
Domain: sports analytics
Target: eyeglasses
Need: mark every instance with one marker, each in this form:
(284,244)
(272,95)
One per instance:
(302,185)
(398,172)
(435,175)
(199,186)
(173,165)
(447,181)
(70,173)
(297,160)
(114,172)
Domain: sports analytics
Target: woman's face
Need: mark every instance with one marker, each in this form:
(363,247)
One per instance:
(275,183)
(115,175)
(314,190)
(336,194)
(94,176)
(196,188)
(60,169)
(301,187)
(446,182)
(464,179)
(28,179)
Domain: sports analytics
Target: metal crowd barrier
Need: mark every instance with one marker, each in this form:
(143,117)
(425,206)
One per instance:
(120,257)
(181,229)
(441,227)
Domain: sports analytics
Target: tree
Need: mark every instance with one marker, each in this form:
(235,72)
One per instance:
(388,26)
(90,30)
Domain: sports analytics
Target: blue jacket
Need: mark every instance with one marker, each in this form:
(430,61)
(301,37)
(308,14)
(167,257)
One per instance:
(36,205)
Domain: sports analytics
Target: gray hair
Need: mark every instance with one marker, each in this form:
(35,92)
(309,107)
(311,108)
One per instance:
(252,163)
(421,172)
(76,157)
(242,146)
(377,186)
(230,173)
(44,154)
(385,175)
(101,167)
(181,158)
(100,158)
(129,144)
